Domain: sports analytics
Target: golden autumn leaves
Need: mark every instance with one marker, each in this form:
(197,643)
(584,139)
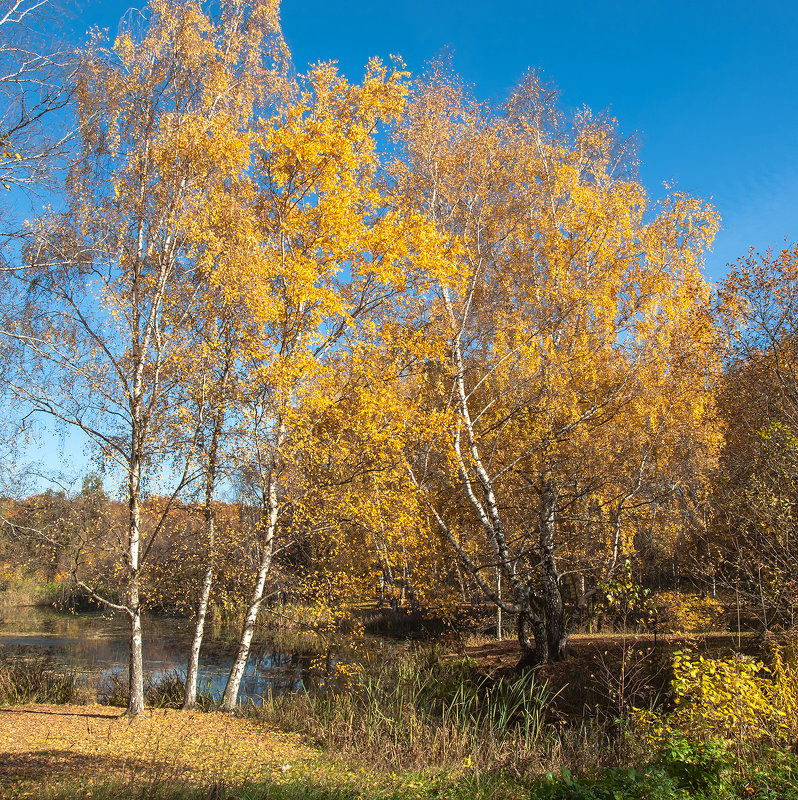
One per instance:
(437,340)
(497,308)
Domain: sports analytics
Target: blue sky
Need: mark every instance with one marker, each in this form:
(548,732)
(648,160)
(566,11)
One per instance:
(709,88)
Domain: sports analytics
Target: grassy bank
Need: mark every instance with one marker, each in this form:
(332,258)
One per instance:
(59,752)
(425,725)
(21,588)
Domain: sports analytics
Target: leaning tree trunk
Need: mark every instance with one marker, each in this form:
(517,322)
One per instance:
(230,697)
(543,617)
(192,669)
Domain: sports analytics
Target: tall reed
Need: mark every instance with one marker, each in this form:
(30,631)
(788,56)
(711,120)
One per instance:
(37,680)
(421,713)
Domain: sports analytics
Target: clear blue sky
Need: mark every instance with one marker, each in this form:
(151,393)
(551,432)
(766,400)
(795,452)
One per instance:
(710,88)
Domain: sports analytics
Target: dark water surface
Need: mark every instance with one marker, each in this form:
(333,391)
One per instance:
(96,645)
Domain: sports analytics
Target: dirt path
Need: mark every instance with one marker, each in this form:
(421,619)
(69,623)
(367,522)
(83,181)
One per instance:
(81,746)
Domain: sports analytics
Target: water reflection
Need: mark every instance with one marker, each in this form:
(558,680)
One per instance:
(95,645)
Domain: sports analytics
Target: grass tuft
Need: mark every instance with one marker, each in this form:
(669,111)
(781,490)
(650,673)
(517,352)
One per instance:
(161,690)
(37,680)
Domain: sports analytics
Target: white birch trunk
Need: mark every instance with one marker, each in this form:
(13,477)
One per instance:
(230,698)
(135,704)
(192,668)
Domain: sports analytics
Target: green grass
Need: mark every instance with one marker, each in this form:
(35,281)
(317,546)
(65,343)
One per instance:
(775,777)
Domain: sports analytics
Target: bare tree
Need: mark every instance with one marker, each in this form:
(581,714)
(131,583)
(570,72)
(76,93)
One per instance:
(35,132)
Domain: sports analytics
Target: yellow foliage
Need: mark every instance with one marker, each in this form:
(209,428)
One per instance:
(731,698)
(688,613)
(568,342)
(727,697)
(784,669)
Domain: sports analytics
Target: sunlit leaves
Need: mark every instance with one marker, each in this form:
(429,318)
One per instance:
(576,339)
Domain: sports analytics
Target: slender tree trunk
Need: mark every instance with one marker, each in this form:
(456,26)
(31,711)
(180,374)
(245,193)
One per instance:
(135,704)
(138,428)
(762,598)
(192,668)
(230,697)
(498,606)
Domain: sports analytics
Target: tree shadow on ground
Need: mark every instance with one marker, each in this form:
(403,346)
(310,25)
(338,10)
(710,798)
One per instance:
(51,767)
(32,775)
(59,774)
(53,712)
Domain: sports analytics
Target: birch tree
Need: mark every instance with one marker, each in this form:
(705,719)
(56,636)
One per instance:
(104,302)
(319,248)
(576,346)
(214,381)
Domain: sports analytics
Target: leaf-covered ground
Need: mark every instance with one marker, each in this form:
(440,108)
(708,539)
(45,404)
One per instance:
(83,747)
(55,752)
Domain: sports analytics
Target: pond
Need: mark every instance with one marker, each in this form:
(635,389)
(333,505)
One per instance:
(95,645)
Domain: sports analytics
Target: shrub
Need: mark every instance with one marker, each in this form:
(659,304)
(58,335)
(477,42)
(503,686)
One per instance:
(625,602)
(724,697)
(701,766)
(688,613)
(735,698)
(783,696)
(614,784)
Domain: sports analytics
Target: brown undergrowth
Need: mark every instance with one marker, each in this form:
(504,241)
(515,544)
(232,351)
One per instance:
(587,683)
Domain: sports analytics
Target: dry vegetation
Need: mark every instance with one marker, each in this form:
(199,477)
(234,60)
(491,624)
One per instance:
(83,748)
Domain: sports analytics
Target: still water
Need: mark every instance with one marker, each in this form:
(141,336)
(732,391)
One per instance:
(96,645)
